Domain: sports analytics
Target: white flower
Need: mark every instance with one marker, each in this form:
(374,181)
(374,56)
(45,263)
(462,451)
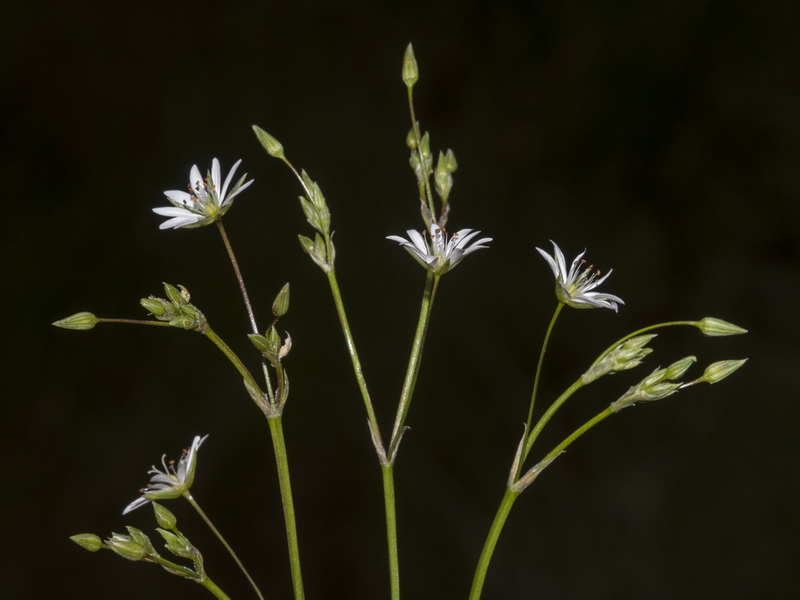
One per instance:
(574,287)
(439,255)
(204,203)
(172,482)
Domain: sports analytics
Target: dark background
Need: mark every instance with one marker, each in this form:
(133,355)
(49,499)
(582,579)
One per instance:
(663,136)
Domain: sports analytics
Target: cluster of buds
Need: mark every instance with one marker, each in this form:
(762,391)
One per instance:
(176,309)
(136,546)
(625,356)
(659,384)
(274,349)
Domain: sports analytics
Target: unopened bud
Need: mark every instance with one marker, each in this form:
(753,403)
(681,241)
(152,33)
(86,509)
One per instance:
(178,544)
(164,517)
(717,327)
(410,70)
(126,548)
(719,370)
(280,306)
(411,140)
(270,144)
(88,541)
(173,294)
(81,321)
(678,368)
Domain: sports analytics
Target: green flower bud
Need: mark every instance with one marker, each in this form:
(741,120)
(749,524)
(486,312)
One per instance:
(717,327)
(178,544)
(183,322)
(720,370)
(81,321)
(280,305)
(410,69)
(88,541)
(173,294)
(411,141)
(164,517)
(270,144)
(450,161)
(126,548)
(678,368)
(154,306)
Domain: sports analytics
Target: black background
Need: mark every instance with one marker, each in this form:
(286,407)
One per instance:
(665,137)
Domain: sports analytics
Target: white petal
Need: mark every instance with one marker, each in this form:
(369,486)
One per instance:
(553,266)
(195,178)
(179,198)
(173,211)
(228,178)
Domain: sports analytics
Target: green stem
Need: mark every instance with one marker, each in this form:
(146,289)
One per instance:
(391,529)
(412,372)
(214,588)
(282,459)
(351,348)
(511,495)
(134,322)
(216,532)
(240,366)
(541,361)
(423,165)
(491,541)
(547,416)
(239,278)
(639,332)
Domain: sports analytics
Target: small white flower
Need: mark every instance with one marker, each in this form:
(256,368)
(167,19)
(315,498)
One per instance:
(574,287)
(173,481)
(204,203)
(440,254)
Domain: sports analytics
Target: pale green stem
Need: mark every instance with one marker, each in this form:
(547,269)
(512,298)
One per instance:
(412,372)
(387,470)
(418,138)
(239,278)
(247,304)
(508,501)
(276,429)
(214,588)
(541,361)
(217,533)
(237,362)
(351,349)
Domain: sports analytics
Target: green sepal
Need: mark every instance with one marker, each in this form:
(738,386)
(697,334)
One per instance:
(164,516)
(82,321)
(270,144)
(178,544)
(173,294)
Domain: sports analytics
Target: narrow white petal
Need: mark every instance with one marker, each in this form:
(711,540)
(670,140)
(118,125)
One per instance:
(228,179)
(553,266)
(215,173)
(195,178)
(173,211)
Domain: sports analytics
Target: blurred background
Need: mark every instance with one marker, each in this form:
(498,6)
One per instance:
(663,137)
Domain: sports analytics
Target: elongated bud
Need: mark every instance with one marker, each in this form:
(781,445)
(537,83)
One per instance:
(678,368)
(82,321)
(719,370)
(178,544)
(174,294)
(88,541)
(656,386)
(717,327)
(271,145)
(410,70)
(280,306)
(154,306)
(411,141)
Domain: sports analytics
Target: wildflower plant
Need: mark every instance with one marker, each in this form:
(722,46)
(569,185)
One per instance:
(437,251)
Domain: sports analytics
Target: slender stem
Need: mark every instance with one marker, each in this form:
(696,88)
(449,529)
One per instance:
(577,433)
(639,332)
(412,372)
(511,495)
(239,277)
(351,348)
(213,588)
(548,415)
(491,541)
(387,471)
(281,457)
(135,322)
(539,365)
(240,366)
(216,532)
